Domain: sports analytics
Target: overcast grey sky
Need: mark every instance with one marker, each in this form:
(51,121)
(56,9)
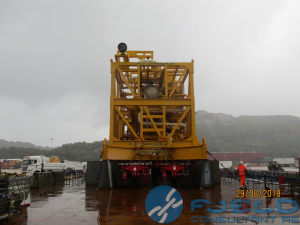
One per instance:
(55,59)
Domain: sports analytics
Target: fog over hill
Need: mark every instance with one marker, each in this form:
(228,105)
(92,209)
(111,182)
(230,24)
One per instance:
(278,136)
(7,144)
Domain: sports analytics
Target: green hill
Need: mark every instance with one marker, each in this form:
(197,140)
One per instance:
(278,136)
(7,144)
(80,151)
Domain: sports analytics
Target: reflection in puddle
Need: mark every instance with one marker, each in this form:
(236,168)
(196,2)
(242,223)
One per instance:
(75,202)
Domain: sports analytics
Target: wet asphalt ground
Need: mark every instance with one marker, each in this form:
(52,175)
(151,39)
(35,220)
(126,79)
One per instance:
(76,203)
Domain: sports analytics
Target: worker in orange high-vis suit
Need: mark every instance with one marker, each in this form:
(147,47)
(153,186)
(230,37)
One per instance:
(242,170)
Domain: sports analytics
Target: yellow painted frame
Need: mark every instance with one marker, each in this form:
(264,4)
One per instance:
(127,82)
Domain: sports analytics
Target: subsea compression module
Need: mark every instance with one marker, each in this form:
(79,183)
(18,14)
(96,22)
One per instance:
(152,138)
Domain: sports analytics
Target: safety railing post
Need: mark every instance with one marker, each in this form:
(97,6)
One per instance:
(252,179)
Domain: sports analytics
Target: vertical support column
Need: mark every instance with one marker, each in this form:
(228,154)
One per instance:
(139,81)
(118,90)
(134,87)
(120,129)
(112,104)
(192,96)
(166,81)
(164,121)
(141,122)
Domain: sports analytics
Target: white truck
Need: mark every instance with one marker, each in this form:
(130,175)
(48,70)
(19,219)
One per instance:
(40,163)
(296,162)
(285,161)
(75,167)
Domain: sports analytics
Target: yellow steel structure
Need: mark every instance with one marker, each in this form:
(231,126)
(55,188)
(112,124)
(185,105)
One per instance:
(54,159)
(152,110)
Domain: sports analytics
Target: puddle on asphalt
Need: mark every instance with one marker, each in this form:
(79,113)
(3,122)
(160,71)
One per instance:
(77,203)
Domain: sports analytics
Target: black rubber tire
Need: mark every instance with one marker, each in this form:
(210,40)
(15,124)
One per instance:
(159,181)
(114,168)
(169,181)
(192,171)
(119,178)
(197,173)
(140,181)
(179,182)
(149,182)
(104,182)
(129,181)
(188,182)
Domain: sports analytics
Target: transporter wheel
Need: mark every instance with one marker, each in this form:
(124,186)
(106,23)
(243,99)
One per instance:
(159,181)
(197,173)
(104,181)
(179,181)
(129,181)
(149,182)
(169,181)
(119,178)
(188,182)
(140,181)
(114,173)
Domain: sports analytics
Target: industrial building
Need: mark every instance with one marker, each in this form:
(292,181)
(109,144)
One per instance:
(246,157)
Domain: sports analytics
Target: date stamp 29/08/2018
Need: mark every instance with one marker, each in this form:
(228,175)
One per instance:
(257,193)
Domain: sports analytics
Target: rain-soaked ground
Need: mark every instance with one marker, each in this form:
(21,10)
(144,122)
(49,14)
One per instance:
(76,203)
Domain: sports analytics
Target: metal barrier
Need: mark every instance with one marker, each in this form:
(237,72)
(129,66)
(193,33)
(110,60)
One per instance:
(71,177)
(275,179)
(271,176)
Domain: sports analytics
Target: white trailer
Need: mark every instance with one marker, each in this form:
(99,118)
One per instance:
(84,167)
(40,163)
(296,164)
(75,166)
(226,164)
(285,161)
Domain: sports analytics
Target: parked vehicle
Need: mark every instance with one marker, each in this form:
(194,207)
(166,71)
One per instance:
(248,166)
(296,162)
(285,161)
(5,165)
(74,167)
(54,159)
(11,163)
(40,163)
(15,164)
(273,165)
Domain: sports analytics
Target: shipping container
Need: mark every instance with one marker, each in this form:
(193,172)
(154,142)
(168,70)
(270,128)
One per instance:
(285,161)
(4,165)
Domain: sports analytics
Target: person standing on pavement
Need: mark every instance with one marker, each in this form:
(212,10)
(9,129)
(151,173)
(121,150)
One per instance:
(242,170)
